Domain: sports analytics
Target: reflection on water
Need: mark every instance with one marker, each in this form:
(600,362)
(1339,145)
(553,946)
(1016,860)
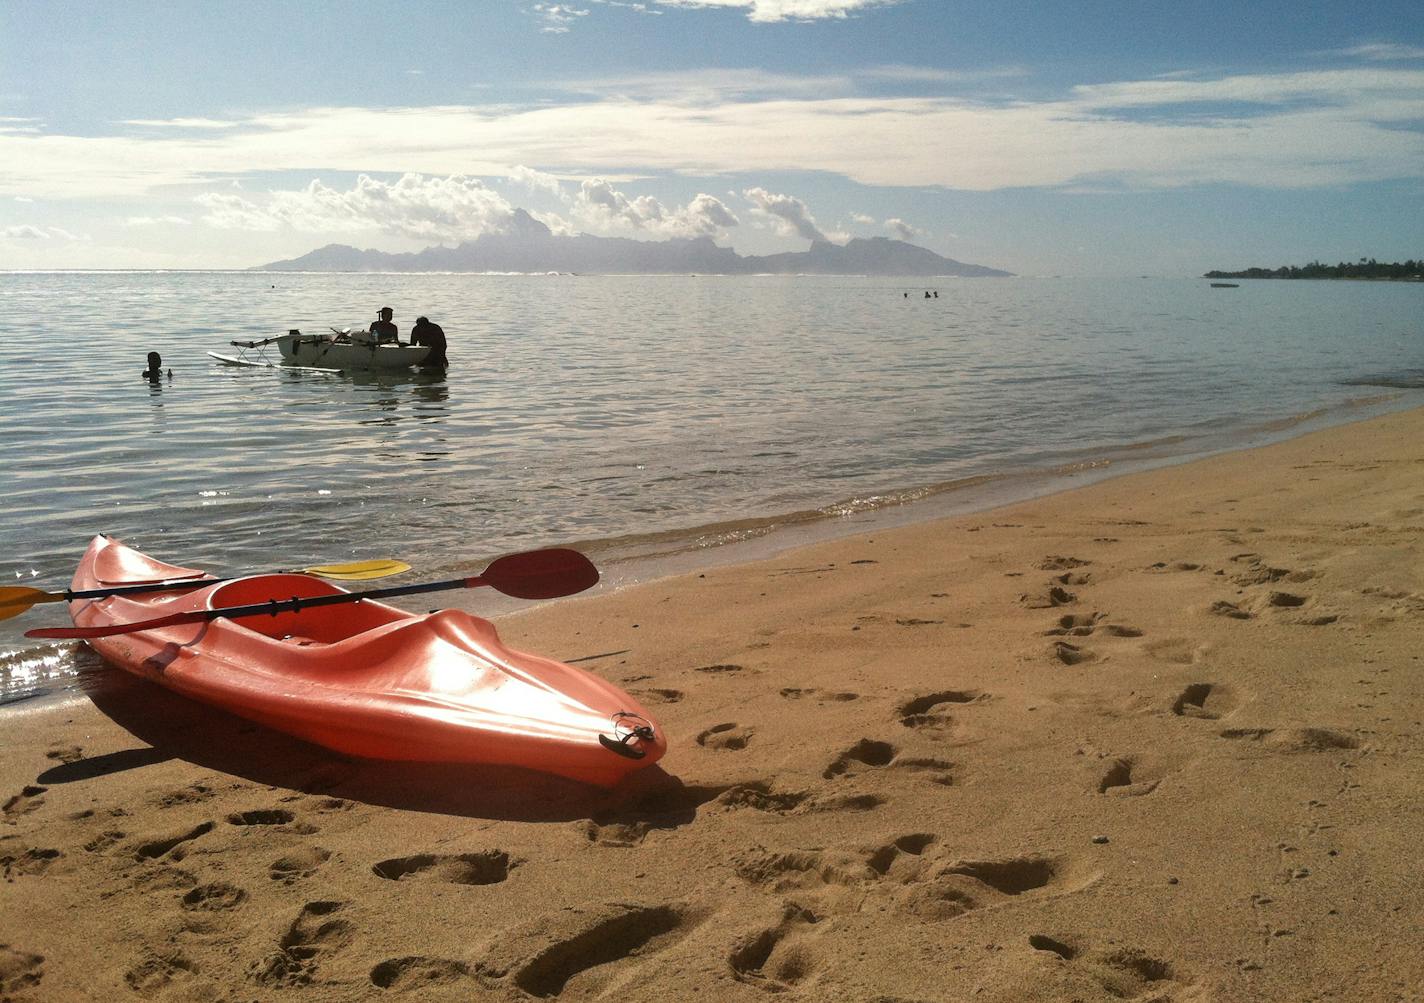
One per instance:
(593,408)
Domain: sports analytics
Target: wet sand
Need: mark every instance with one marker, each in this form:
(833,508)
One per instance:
(1154,739)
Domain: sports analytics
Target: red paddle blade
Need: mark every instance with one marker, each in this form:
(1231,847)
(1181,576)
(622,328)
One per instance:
(541,574)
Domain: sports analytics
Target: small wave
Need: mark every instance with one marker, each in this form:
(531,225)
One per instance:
(1404,379)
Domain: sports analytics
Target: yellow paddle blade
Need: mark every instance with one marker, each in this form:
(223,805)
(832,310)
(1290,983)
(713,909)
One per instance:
(15,599)
(359,571)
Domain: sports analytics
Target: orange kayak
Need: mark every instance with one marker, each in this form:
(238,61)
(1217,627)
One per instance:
(366,678)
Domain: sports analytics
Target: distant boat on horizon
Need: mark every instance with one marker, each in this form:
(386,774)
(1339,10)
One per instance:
(1226,285)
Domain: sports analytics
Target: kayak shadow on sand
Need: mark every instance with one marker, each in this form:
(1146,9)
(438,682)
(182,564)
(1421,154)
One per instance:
(178,728)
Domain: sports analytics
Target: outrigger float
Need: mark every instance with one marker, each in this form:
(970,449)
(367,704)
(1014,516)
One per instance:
(339,352)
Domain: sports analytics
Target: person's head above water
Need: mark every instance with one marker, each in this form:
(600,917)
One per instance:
(155,361)
(385,313)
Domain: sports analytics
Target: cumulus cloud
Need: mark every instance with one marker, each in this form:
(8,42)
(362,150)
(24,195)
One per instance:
(601,205)
(442,209)
(862,219)
(903,230)
(555,18)
(788,214)
(537,181)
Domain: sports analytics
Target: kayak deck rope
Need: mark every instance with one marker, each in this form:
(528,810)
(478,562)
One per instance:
(625,733)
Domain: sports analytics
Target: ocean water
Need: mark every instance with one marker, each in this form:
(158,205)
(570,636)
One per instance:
(630,415)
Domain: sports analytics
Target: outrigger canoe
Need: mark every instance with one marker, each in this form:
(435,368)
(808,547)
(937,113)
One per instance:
(341,351)
(363,677)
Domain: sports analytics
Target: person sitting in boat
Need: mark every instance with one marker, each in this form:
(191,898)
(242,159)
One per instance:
(384,330)
(433,336)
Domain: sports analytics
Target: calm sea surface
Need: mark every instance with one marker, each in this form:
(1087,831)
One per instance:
(632,415)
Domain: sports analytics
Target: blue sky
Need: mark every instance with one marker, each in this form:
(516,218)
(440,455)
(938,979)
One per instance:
(1084,139)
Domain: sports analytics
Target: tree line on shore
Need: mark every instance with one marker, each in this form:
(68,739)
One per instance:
(1365,268)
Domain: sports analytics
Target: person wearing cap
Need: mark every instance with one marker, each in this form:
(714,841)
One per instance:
(384,329)
(432,336)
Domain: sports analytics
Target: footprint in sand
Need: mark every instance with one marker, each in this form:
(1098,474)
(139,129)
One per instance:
(543,956)
(728,737)
(315,934)
(1208,701)
(488,867)
(173,847)
(719,669)
(932,710)
(156,972)
(418,974)
(1176,650)
(261,816)
(1074,625)
(1072,654)
(1124,778)
(1055,562)
(865,753)
(216,897)
(105,840)
(300,863)
(618,834)
(916,875)
(1229,610)
(821,696)
(1294,739)
(30,798)
(19,970)
(759,795)
(1055,596)
(775,960)
(192,794)
(659,695)
(20,860)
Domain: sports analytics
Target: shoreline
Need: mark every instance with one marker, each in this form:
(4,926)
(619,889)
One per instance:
(632,559)
(1157,737)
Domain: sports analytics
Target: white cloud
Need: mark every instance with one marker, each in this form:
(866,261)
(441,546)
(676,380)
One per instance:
(786,10)
(788,214)
(556,18)
(21,198)
(1302,130)
(182,123)
(1384,51)
(537,181)
(158,221)
(27,231)
(903,230)
(453,208)
(603,207)
(862,219)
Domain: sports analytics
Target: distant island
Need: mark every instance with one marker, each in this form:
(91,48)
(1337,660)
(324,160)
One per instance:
(1365,268)
(527,245)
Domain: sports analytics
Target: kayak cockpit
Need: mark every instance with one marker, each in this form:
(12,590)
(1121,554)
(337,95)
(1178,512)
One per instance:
(321,624)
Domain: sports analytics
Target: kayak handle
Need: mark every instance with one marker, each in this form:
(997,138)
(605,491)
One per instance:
(621,745)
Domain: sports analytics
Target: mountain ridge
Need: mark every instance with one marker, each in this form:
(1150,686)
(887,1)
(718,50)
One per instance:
(530,246)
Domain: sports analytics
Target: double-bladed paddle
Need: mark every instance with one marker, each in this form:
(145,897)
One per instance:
(536,574)
(15,599)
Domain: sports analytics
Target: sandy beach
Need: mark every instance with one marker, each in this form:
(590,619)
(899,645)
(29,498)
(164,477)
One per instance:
(1153,739)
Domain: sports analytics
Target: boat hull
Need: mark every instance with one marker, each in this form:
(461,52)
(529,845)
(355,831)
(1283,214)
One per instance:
(365,678)
(325,352)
